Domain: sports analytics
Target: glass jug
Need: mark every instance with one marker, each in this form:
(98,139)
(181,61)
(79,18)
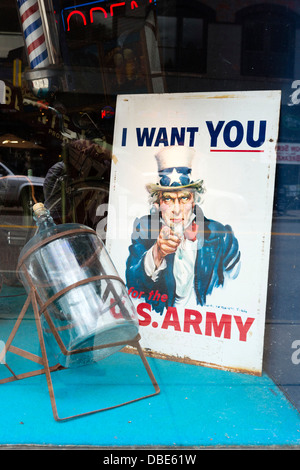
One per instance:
(83,303)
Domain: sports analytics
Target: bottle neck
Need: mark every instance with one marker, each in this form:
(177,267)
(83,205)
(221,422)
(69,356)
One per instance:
(43,220)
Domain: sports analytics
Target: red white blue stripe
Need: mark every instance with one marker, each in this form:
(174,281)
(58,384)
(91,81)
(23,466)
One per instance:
(33,33)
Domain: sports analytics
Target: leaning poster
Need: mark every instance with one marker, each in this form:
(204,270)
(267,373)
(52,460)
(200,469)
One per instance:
(189,221)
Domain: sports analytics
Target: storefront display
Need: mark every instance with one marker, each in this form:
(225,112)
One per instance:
(93,96)
(197,265)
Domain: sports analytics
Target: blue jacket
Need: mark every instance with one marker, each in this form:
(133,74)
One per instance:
(217,257)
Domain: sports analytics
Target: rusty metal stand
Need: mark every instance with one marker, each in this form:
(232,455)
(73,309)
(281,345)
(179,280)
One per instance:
(43,361)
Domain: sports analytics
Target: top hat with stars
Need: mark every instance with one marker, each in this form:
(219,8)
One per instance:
(175,170)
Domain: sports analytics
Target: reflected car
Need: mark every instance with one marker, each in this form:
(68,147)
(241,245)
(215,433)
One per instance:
(16,190)
(16,219)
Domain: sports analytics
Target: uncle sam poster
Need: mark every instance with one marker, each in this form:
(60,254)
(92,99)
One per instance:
(189,221)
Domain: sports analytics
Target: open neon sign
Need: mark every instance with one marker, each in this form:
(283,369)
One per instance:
(91,8)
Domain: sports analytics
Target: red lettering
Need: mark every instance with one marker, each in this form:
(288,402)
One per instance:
(115,5)
(212,324)
(146,316)
(243,328)
(77,12)
(115,314)
(97,8)
(194,322)
(171,319)
(133,5)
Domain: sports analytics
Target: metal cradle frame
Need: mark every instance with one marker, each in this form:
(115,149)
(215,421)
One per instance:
(39,308)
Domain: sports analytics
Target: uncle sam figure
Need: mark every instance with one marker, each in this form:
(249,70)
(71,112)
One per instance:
(175,249)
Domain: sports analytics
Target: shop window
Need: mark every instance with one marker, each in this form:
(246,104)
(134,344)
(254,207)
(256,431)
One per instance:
(268,41)
(183,37)
(110,42)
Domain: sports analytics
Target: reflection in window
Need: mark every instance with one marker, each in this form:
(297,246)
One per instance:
(183,37)
(168,28)
(192,43)
(268,42)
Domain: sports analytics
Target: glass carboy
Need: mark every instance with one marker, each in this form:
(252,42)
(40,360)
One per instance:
(83,302)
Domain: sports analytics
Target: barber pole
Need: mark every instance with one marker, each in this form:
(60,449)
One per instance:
(33,33)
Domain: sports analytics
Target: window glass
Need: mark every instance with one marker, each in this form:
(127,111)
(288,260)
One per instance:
(268,42)
(168,40)
(57,119)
